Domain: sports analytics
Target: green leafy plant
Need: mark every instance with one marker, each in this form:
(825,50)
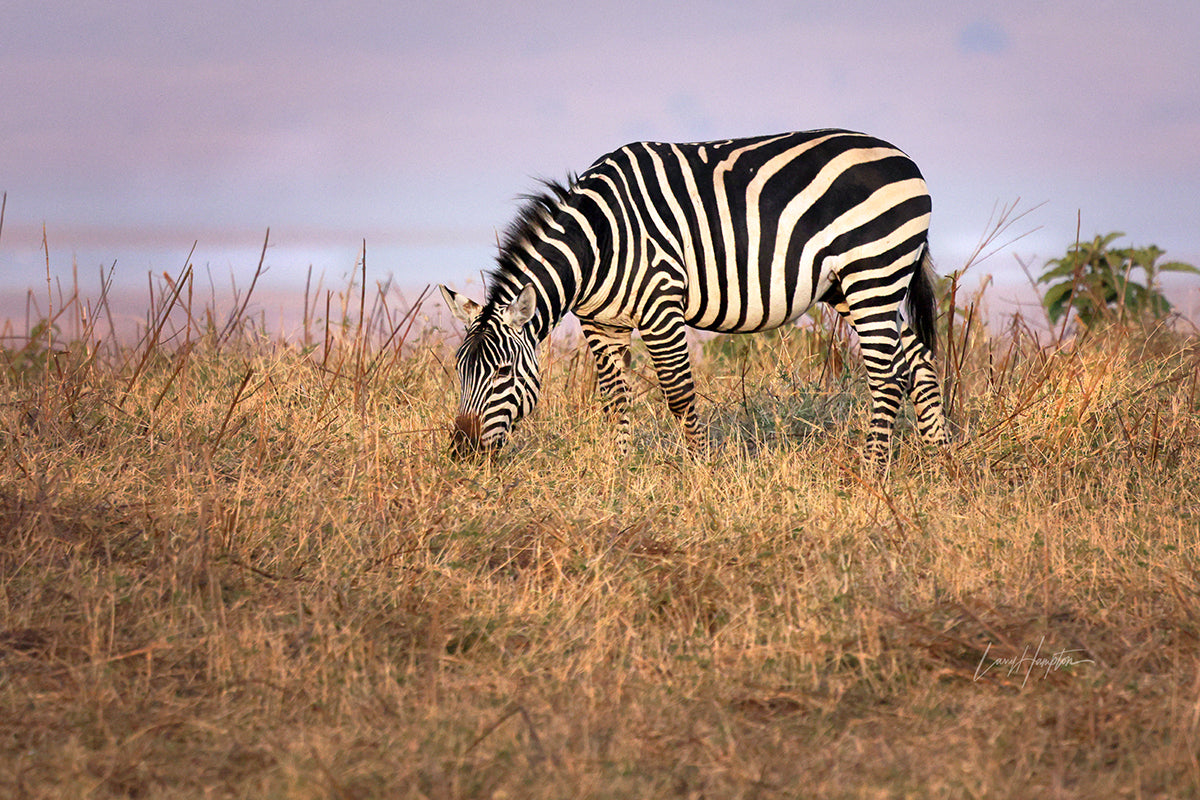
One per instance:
(1097,282)
(30,360)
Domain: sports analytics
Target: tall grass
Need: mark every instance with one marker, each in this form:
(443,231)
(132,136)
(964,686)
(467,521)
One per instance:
(237,566)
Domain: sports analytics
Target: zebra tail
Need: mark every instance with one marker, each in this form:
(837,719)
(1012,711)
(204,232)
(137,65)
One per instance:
(923,304)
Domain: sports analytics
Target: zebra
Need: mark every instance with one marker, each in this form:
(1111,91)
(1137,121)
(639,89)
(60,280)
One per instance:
(737,235)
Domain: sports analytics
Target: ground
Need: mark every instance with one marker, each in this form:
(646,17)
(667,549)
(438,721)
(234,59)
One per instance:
(232,566)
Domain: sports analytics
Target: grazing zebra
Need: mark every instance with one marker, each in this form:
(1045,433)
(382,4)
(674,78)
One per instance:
(736,235)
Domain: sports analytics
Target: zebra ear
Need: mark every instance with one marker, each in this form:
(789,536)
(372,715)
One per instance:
(520,310)
(464,309)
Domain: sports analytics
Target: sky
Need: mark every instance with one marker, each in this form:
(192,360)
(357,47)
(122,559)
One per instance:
(130,131)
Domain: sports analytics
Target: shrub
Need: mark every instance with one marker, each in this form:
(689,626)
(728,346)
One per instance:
(1096,281)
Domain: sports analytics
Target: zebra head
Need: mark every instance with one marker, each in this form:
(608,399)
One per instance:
(497,369)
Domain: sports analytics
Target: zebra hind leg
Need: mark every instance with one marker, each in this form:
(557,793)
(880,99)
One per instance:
(885,384)
(891,365)
(924,389)
(610,348)
(878,329)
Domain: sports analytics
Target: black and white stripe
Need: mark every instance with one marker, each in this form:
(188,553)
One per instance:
(737,235)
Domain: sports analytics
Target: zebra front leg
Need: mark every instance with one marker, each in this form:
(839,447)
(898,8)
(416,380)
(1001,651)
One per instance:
(610,348)
(665,338)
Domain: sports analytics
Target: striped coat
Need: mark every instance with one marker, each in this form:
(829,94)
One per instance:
(737,236)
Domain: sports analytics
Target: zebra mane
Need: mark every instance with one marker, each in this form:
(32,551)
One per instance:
(539,208)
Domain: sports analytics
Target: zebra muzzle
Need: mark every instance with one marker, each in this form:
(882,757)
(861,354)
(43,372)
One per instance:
(464,440)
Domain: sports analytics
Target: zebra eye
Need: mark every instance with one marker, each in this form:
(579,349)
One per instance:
(503,372)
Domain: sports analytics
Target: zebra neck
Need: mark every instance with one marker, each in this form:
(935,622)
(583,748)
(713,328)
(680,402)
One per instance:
(553,301)
(552,245)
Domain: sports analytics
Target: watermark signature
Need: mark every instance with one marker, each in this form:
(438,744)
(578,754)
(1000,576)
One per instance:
(1028,663)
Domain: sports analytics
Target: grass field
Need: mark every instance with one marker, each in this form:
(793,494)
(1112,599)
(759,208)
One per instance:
(235,567)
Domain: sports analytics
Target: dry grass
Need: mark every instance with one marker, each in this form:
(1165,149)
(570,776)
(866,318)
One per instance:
(234,567)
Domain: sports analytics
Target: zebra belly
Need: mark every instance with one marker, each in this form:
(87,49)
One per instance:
(784,303)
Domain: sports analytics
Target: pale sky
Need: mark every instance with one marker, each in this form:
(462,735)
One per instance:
(132,129)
